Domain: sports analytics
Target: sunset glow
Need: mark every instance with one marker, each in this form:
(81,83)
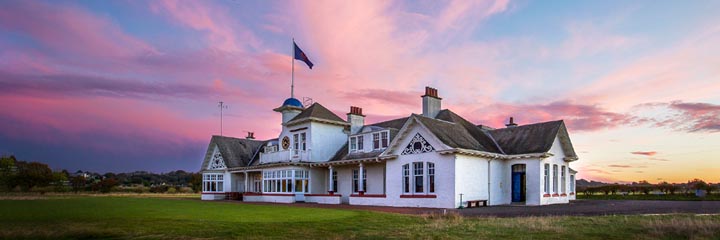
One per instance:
(134,85)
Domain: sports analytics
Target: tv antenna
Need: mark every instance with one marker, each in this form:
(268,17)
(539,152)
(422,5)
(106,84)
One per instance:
(222,106)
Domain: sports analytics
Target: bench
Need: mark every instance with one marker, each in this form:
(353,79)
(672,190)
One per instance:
(476,203)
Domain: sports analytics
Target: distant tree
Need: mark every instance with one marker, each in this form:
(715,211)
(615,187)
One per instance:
(78,183)
(698,184)
(106,185)
(8,170)
(33,174)
(196,182)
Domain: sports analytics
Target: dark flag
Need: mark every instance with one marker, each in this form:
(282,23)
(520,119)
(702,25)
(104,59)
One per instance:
(300,55)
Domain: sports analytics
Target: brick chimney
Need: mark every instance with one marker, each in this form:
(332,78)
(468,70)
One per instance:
(512,123)
(356,119)
(430,102)
(251,135)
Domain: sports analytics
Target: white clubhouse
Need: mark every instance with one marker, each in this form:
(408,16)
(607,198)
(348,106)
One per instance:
(435,159)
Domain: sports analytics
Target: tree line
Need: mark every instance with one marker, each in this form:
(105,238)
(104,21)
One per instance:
(644,187)
(21,176)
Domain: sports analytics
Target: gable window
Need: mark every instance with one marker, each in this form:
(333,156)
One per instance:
(384,139)
(360,140)
(562,176)
(376,140)
(213,182)
(555,178)
(406,178)
(418,173)
(355,180)
(547,178)
(353,144)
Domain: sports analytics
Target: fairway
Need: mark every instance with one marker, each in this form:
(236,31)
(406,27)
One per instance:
(163,218)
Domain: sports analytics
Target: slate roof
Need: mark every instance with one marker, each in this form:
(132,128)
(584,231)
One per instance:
(317,111)
(465,134)
(531,138)
(236,152)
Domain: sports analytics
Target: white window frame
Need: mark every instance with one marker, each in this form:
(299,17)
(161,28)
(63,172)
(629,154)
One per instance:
(360,144)
(355,175)
(418,172)
(430,177)
(376,140)
(384,139)
(555,178)
(563,187)
(213,182)
(285,181)
(547,178)
(353,144)
(406,182)
(303,141)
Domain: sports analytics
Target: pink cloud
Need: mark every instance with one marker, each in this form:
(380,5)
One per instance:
(652,153)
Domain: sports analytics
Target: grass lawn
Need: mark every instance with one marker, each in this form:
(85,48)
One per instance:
(669,197)
(162,218)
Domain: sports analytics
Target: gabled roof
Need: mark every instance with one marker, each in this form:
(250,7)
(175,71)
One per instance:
(317,111)
(393,126)
(485,142)
(236,152)
(533,138)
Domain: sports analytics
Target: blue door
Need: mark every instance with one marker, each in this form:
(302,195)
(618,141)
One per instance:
(517,187)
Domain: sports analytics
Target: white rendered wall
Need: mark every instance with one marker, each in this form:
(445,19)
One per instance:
(557,158)
(500,182)
(323,199)
(471,178)
(533,178)
(269,198)
(444,175)
(344,179)
(318,180)
(324,140)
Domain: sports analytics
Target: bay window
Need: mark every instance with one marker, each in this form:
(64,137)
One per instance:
(422,180)
(285,181)
(213,182)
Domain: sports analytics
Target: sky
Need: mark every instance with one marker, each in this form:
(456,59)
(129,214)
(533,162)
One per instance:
(134,85)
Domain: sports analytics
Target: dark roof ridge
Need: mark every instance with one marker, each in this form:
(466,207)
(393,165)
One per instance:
(317,110)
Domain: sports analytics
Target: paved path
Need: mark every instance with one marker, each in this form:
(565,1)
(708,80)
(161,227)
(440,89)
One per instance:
(598,207)
(575,208)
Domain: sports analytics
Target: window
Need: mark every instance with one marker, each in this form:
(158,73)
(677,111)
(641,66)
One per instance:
(547,178)
(416,184)
(360,143)
(302,141)
(334,181)
(213,182)
(384,139)
(572,183)
(406,178)
(431,177)
(355,180)
(563,181)
(282,181)
(555,178)
(418,173)
(296,142)
(376,140)
(353,144)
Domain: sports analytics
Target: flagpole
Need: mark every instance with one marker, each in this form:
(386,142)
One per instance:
(292,79)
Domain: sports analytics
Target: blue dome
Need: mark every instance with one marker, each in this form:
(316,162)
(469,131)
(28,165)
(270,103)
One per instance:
(292,102)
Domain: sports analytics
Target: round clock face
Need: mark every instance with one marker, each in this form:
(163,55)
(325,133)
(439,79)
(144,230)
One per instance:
(285,142)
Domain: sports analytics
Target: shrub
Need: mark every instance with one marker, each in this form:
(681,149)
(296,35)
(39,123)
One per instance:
(171,190)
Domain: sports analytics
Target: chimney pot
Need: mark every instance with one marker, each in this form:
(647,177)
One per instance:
(511,123)
(250,135)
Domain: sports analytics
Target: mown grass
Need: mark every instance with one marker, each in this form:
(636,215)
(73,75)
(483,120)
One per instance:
(162,218)
(666,197)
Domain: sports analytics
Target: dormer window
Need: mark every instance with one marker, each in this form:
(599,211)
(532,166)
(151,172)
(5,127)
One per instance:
(353,144)
(380,140)
(356,143)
